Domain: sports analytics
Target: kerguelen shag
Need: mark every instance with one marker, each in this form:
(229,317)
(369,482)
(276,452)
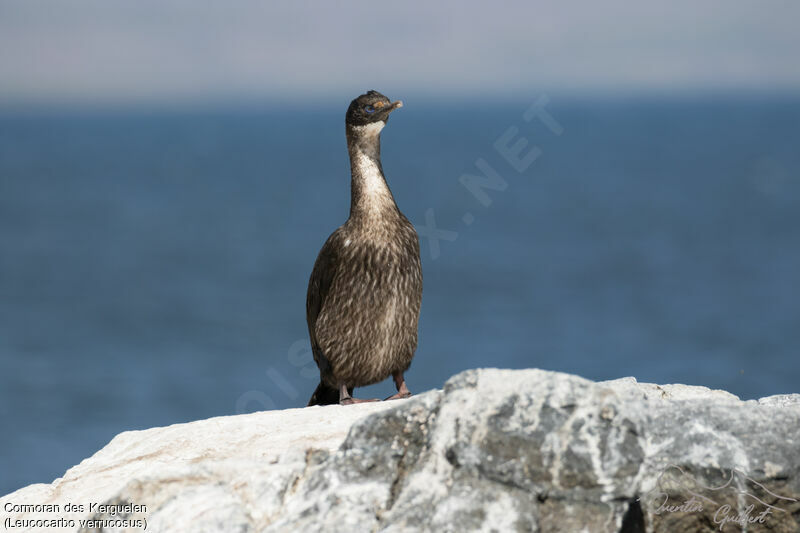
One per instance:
(365,291)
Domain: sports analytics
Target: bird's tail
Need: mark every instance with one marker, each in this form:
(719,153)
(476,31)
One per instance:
(324,395)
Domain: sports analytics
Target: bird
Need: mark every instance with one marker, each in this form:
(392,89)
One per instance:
(365,290)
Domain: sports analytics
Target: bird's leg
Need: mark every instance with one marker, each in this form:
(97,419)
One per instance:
(402,390)
(345,397)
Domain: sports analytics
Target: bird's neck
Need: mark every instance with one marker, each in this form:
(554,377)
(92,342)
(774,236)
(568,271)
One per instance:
(370,195)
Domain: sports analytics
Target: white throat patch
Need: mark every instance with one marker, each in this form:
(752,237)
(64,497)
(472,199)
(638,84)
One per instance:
(371,129)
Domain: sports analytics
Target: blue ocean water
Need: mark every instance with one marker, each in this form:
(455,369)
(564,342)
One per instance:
(153,266)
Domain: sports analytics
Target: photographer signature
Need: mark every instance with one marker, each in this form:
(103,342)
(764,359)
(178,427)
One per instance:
(698,502)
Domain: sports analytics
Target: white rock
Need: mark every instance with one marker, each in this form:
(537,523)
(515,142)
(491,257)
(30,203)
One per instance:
(495,450)
(228,471)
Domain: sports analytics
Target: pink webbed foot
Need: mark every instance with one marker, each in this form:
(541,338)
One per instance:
(346,399)
(402,390)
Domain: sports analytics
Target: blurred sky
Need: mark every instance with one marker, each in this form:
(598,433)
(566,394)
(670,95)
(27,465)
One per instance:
(198,51)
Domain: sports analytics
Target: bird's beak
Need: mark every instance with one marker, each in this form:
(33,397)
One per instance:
(388,108)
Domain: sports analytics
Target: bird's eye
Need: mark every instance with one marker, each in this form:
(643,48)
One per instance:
(369,109)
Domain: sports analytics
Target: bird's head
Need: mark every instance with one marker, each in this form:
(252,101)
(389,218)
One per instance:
(370,108)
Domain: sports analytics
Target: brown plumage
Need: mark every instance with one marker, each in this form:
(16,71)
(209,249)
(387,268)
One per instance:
(365,291)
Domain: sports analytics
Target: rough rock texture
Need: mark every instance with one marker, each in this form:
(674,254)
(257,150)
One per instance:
(496,450)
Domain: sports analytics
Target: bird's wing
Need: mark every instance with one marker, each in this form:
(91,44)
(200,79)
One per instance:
(318,286)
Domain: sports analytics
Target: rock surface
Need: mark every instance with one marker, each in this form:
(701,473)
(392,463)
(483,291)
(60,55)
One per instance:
(496,450)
